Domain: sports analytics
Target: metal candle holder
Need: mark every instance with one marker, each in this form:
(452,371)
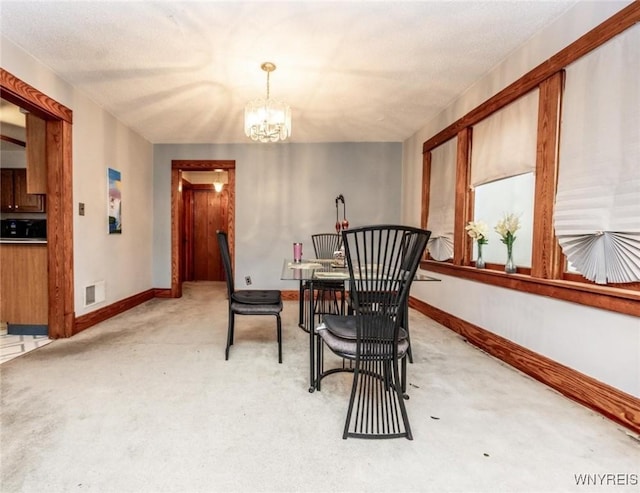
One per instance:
(344,224)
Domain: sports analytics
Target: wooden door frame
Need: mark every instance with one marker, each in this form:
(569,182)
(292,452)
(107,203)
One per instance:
(187,231)
(59,121)
(177,166)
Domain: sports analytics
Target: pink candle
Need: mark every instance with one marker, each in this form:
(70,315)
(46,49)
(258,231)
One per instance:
(297,252)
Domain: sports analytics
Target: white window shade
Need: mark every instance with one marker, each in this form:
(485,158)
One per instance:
(597,210)
(504,144)
(442,200)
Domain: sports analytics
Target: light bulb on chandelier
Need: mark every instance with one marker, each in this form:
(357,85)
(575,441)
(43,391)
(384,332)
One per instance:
(267,120)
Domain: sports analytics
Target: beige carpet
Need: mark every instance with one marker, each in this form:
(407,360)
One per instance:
(145,402)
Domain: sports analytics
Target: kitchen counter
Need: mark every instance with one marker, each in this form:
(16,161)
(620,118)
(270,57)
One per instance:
(22,241)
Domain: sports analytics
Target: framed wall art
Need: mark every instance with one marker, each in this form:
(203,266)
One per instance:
(114,201)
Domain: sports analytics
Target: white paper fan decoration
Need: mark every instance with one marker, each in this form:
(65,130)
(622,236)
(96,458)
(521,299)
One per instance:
(440,247)
(604,257)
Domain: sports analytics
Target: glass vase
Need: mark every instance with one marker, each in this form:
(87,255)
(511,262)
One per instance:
(510,267)
(480,261)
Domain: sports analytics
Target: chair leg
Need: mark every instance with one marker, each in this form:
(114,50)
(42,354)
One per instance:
(279,323)
(301,305)
(319,360)
(402,395)
(354,386)
(403,378)
(229,334)
(405,324)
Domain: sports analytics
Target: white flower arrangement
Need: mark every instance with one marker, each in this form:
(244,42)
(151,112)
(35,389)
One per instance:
(507,228)
(478,230)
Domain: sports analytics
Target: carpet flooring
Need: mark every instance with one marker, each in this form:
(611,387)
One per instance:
(145,402)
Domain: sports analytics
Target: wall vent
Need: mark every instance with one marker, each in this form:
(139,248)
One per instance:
(94,293)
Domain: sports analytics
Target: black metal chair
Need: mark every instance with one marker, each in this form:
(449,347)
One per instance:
(329,295)
(382,261)
(248,301)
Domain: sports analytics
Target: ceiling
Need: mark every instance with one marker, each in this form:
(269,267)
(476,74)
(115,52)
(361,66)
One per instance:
(352,71)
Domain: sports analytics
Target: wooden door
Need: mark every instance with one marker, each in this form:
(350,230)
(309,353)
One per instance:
(210,209)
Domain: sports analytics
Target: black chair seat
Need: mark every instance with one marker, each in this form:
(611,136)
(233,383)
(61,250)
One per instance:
(256,309)
(344,326)
(339,334)
(257,296)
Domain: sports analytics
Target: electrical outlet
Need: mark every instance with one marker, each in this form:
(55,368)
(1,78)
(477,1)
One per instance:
(81,208)
(247,280)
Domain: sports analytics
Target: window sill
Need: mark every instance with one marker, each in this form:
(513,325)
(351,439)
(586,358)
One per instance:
(626,301)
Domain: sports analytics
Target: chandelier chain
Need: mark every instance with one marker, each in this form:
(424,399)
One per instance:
(268,74)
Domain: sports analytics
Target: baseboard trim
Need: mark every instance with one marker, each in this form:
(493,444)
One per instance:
(85,321)
(616,405)
(290,295)
(162,293)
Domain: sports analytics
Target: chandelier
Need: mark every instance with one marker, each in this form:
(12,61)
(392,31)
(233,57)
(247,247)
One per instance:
(267,120)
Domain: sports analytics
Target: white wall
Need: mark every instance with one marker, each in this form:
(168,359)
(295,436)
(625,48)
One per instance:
(285,193)
(599,343)
(100,141)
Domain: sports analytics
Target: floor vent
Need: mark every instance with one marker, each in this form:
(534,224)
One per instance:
(94,293)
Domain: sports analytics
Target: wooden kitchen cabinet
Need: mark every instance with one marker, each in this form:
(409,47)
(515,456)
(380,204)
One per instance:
(14,196)
(36,131)
(24,294)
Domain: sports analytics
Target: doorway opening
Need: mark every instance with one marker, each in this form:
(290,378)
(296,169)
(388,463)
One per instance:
(197,211)
(58,128)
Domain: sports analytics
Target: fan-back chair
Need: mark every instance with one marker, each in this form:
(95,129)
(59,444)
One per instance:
(382,262)
(329,294)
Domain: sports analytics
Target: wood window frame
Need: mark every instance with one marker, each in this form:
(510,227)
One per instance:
(547,276)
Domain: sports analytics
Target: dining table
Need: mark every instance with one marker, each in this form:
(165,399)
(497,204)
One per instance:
(309,271)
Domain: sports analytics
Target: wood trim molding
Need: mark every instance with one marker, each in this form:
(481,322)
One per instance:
(85,321)
(426,188)
(602,33)
(463,204)
(176,207)
(60,228)
(22,94)
(162,293)
(545,248)
(11,140)
(602,398)
(290,295)
(203,164)
(618,300)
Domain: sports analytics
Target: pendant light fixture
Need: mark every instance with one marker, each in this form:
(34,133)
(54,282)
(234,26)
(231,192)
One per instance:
(220,178)
(267,120)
